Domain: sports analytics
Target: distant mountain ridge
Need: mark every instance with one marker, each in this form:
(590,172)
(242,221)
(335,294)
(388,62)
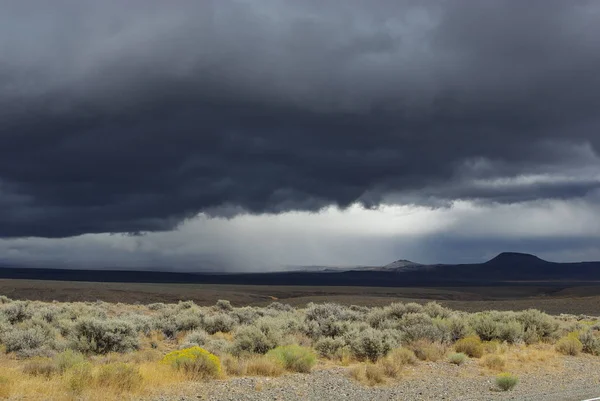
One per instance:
(504,269)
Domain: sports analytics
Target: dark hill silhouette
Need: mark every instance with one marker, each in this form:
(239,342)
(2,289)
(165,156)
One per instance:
(507,258)
(505,268)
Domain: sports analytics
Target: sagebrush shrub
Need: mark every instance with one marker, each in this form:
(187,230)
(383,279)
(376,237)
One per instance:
(543,325)
(436,310)
(197,337)
(420,326)
(252,339)
(457,328)
(280,307)
(25,341)
(590,343)
(485,326)
(17,311)
(195,362)
(329,347)
(224,305)
(157,306)
(294,357)
(511,331)
(371,344)
(97,336)
(220,322)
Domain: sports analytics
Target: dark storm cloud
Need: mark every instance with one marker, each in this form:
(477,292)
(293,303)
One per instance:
(127,117)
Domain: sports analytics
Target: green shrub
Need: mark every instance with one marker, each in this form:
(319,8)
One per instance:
(294,358)
(67,359)
(196,362)
(506,381)
(457,358)
(569,345)
(79,377)
(119,376)
(470,346)
(92,335)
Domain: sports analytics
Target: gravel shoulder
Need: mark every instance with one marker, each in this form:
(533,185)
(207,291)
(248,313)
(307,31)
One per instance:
(567,379)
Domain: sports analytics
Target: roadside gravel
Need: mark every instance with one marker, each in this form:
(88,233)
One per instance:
(573,380)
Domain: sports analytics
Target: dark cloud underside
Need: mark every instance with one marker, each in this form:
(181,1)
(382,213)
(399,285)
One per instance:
(133,117)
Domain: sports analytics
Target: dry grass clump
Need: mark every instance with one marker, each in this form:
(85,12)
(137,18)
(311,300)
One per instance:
(369,374)
(493,362)
(428,351)
(263,366)
(402,356)
(5,387)
(119,376)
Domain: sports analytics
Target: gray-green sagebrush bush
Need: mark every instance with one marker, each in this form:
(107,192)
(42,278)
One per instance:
(92,335)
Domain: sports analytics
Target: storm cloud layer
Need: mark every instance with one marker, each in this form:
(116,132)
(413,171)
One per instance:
(135,116)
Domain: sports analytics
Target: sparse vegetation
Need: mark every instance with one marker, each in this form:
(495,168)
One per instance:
(506,381)
(294,358)
(457,358)
(569,345)
(83,348)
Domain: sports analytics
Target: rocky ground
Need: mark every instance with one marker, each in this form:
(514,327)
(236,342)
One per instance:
(570,379)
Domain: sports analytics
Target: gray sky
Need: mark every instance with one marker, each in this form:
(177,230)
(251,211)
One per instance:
(247,134)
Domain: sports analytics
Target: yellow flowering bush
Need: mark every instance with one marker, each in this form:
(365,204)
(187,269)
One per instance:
(196,362)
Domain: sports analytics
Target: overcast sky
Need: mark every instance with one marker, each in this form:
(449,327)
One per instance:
(254,134)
